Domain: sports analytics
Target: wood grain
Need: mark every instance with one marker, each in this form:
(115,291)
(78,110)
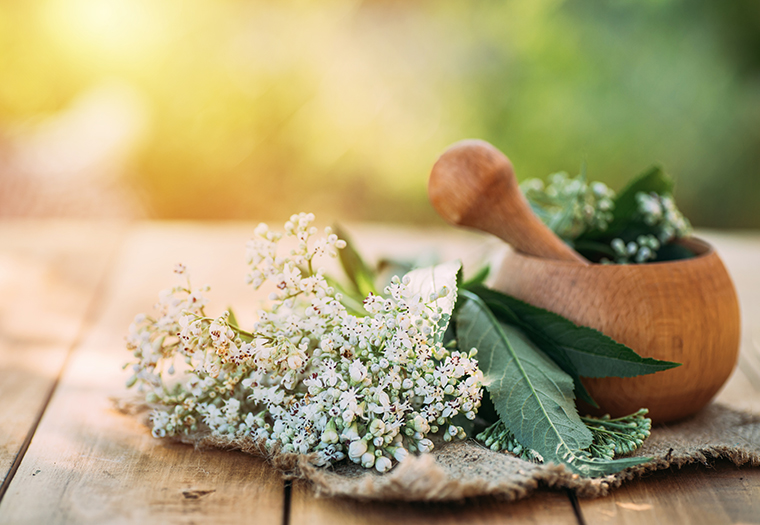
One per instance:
(48,276)
(713,494)
(473,184)
(542,507)
(741,253)
(88,463)
(683,311)
(721,492)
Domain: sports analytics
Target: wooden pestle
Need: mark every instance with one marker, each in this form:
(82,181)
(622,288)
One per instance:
(684,311)
(473,184)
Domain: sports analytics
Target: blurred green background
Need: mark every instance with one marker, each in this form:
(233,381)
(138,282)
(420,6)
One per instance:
(249,109)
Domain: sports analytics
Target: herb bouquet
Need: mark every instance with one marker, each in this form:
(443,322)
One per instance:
(353,372)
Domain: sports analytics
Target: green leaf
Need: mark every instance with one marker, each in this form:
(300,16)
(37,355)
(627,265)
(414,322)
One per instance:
(232,319)
(673,252)
(478,278)
(532,395)
(351,299)
(584,464)
(591,353)
(653,180)
(362,277)
(505,314)
(611,437)
(593,250)
(233,322)
(626,207)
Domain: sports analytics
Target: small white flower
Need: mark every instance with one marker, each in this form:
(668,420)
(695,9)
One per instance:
(357,448)
(295,362)
(357,371)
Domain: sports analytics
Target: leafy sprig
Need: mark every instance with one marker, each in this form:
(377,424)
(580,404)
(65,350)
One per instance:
(622,435)
(641,224)
(610,436)
(533,361)
(532,395)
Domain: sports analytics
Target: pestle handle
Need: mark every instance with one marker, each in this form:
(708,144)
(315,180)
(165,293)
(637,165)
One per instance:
(473,184)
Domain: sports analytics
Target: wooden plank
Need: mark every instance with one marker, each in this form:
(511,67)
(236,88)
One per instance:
(48,275)
(88,463)
(741,254)
(722,492)
(715,494)
(542,507)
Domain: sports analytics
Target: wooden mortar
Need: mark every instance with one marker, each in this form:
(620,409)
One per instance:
(684,311)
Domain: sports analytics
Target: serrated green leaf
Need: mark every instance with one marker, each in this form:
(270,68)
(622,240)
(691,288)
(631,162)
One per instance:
(532,395)
(591,353)
(590,467)
(505,314)
(653,180)
(362,277)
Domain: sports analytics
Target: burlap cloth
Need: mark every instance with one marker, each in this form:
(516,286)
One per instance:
(466,469)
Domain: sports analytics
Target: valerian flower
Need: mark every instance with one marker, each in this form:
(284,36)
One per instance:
(310,377)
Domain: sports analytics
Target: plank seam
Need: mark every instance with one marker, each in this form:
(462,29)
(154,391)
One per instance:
(87,321)
(288,490)
(576,506)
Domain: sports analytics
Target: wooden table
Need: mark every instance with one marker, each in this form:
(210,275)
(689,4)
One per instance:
(68,291)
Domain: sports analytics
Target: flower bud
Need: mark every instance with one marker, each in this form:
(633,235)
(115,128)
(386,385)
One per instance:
(357,449)
(330,435)
(425,445)
(368,460)
(383,464)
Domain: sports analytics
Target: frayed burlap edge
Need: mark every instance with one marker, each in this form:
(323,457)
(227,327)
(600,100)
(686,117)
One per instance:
(455,471)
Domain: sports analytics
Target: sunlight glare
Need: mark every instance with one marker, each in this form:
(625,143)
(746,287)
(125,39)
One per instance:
(108,31)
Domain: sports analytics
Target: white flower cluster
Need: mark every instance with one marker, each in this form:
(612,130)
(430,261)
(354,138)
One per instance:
(310,377)
(570,206)
(660,212)
(153,340)
(643,249)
